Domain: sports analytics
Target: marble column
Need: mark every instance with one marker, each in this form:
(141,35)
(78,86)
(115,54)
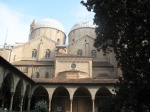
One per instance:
(29,102)
(93,110)
(11,101)
(49,107)
(71,105)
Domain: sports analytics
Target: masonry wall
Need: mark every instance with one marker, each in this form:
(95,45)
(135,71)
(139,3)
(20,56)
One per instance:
(54,34)
(81,32)
(24,52)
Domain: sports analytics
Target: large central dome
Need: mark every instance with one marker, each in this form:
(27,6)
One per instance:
(82,24)
(49,23)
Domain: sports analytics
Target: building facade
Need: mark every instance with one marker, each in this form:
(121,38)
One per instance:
(71,77)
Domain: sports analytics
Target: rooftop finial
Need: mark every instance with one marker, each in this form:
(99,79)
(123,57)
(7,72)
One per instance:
(32,25)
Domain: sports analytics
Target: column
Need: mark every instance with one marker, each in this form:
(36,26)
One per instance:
(93,106)
(49,107)
(1,100)
(71,105)
(29,102)
(11,101)
(21,104)
(3,103)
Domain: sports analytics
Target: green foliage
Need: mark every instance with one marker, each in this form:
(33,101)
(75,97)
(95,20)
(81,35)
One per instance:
(40,106)
(124,27)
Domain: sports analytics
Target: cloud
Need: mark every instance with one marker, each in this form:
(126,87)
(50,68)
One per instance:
(16,23)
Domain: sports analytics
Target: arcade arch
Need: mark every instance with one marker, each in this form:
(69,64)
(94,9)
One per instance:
(39,93)
(82,100)
(18,96)
(60,100)
(102,95)
(7,90)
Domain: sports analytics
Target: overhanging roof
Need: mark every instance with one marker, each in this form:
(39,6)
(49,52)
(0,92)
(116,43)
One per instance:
(31,62)
(13,69)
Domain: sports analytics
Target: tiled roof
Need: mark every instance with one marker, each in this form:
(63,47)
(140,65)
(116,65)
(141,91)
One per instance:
(75,81)
(4,63)
(101,64)
(29,62)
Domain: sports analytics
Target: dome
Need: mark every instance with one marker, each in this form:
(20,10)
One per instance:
(83,24)
(49,23)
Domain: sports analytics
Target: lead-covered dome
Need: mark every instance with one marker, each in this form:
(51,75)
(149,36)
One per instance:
(48,28)
(83,24)
(51,23)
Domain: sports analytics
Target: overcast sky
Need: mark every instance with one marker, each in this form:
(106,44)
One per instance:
(17,15)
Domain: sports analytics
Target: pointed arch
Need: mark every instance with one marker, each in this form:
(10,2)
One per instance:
(94,54)
(18,96)
(79,52)
(61,99)
(39,93)
(7,88)
(82,100)
(47,53)
(101,96)
(34,53)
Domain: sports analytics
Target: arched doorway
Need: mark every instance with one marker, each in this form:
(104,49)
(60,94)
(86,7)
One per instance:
(60,100)
(102,95)
(7,85)
(18,96)
(82,100)
(40,93)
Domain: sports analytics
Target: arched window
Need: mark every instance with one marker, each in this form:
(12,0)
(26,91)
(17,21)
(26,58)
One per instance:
(34,53)
(79,52)
(37,75)
(47,54)
(58,40)
(47,75)
(93,54)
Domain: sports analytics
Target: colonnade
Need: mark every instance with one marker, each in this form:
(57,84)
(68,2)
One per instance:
(50,98)
(93,106)
(26,91)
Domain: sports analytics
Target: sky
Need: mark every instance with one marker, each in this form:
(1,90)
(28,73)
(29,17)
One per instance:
(17,15)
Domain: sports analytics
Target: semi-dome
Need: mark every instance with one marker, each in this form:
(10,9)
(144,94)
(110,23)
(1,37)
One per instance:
(82,24)
(51,23)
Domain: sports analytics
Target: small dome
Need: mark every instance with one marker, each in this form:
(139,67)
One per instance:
(83,24)
(49,23)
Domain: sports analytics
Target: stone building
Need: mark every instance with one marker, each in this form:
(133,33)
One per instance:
(71,77)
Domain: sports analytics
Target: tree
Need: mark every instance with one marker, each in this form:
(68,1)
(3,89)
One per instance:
(124,26)
(41,106)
